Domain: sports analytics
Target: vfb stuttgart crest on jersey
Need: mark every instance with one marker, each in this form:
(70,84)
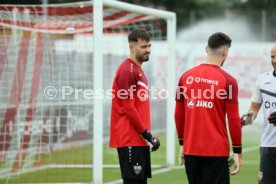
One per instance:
(137,169)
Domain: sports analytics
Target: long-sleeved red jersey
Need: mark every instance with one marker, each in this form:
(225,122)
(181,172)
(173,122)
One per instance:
(205,95)
(130,113)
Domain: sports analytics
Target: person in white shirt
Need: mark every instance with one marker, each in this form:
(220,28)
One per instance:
(264,95)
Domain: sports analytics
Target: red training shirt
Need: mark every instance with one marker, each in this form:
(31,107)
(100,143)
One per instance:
(204,96)
(130,113)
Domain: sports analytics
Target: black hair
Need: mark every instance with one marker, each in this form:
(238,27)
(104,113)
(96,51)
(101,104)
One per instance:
(138,33)
(219,39)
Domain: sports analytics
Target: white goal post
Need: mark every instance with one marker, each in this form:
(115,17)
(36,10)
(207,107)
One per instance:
(54,58)
(98,113)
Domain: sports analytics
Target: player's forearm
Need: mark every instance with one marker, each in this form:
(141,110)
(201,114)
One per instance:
(179,116)
(234,123)
(255,107)
(133,115)
(235,133)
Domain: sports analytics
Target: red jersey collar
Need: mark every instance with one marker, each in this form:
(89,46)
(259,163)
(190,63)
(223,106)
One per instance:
(208,64)
(133,62)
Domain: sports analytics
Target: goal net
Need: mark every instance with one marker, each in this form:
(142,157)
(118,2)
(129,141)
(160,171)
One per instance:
(47,90)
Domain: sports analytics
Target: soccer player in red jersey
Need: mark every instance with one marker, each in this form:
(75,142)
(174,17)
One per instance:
(130,113)
(205,95)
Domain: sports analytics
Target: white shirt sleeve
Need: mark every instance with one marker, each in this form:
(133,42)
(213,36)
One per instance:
(256,94)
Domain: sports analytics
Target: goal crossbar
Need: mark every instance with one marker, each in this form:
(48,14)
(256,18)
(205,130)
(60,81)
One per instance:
(21,16)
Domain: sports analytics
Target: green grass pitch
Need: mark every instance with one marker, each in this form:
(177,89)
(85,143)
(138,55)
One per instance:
(177,175)
(247,175)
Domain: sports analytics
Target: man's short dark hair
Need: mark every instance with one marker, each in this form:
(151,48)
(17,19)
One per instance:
(219,39)
(138,33)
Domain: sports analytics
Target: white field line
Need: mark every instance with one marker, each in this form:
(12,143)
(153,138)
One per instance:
(163,170)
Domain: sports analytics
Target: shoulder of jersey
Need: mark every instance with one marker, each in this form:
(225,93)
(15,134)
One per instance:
(266,74)
(190,70)
(128,66)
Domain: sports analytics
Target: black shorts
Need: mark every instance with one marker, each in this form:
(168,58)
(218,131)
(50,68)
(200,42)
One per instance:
(207,170)
(267,173)
(135,162)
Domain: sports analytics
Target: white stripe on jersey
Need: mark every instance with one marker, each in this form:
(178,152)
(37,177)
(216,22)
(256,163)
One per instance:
(142,84)
(265,93)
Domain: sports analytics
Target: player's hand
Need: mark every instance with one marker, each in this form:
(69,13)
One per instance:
(272,118)
(181,160)
(235,163)
(247,119)
(155,143)
(153,140)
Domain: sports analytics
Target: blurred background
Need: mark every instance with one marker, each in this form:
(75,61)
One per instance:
(35,55)
(246,20)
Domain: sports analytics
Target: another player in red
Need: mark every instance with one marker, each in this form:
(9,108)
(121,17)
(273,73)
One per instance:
(206,94)
(130,113)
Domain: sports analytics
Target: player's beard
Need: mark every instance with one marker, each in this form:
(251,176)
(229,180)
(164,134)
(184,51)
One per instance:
(143,58)
(274,65)
(222,63)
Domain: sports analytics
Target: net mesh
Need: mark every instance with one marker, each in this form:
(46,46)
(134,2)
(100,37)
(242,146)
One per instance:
(46,81)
